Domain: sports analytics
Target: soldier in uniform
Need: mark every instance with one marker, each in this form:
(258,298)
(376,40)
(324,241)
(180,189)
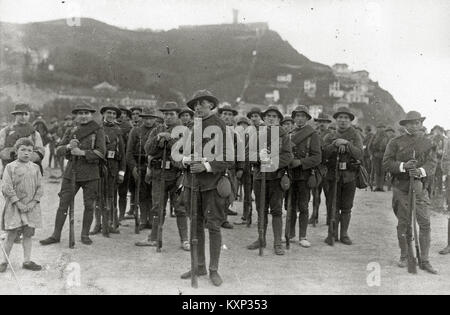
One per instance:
(162,136)
(136,156)
(67,124)
(84,146)
(411,155)
(40,126)
(346,143)
(207,172)
(113,171)
(21,128)
(307,155)
(53,138)
(377,147)
(123,121)
(288,124)
(366,143)
(255,116)
(186,115)
(323,122)
(274,172)
(438,138)
(136,118)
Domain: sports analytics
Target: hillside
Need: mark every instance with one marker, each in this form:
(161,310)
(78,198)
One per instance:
(172,64)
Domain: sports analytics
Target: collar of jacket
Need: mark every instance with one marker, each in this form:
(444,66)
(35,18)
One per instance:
(301,133)
(108,124)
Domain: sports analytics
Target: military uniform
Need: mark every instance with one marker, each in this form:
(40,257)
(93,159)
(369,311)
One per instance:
(399,151)
(91,139)
(377,147)
(346,182)
(53,138)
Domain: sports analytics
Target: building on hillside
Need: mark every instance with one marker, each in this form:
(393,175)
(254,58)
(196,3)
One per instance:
(335,90)
(310,88)
(360,76)
(284,78)
(272,97)
(341,69)
(106,86)
(356,95)
(315,110)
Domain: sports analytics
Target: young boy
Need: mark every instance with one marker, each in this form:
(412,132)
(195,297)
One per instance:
(22,213)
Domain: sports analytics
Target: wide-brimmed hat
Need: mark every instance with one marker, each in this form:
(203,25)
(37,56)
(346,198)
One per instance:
(227,108)
(151,113)
(381,125)
(21,108)
(113,108)
(286,119)
(273,108)
(254,110)
(83,107)
(126,110)
(346,111)
(67,117)
(170,107)
(242,120)
(389,128)
(411,116)
(136,108)
(202,95)
(301,109)
(186,110)
(323,118)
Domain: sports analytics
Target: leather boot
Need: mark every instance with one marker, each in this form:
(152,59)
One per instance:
(345,223)
(59,224)
(98,222)
(182,225)
(215,246)
(403,245)
(277,226)
(105,223)
(425,242)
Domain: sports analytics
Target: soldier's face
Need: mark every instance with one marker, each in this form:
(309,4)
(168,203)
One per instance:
(170,118)
(185,118)
(343,121)
(228,118)
(300,119)
(149,122)
(109,116)
(84,117)
(272,119)
(124,116)
(203,108)
(323,125)
(135,116)
(288,126)
(22,118)
(413,126)
(256,119)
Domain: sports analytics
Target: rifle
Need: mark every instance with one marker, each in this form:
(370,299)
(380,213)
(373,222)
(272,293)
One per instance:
(138,190)
(262,209)
(287,230)
(162,204)
(315,214)
(72,204)
(248,196)
(372,174)
(104,205)
(332,227)
(412,262)
(194,237)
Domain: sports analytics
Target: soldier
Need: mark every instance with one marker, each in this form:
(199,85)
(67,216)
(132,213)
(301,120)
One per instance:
(235,172)
(288,124)
(207,173)
(123,121)
(323,122)
(186,115)
(84,146)
(377,147)
(390,133)
(411,155)
(53,138)
(366,143)
(162,136)
(346,143)
(438,139)
(40,126)
(446,180)
(136,155)
(21,128)
(255,116)
(68,124)
(136,118)
(274,192)
(307,155)
(113,173)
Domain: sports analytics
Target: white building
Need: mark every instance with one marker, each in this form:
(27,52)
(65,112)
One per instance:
(335,90)
(310,88)
(284,78)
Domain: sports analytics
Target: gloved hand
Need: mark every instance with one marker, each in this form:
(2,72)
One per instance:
(414,173)
(198,168)
(120,178)
(342,149)
(74,143)
(295,163)
(411,164)
(340,142)
(148,176)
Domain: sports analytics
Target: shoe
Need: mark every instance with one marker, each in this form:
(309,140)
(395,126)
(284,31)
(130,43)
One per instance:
(142,227)
(313,221)
(346,240)
(3,267)
(403,263)
(279,250)
(329,240)
(86,240)
(186,246)
(445,251)
(243,222)
(31,266)
(97,229)
(113,230)
(305,243)
(215,278)
(227,225)
(426,266)
(129,216)
(49,241)
(146,243)
(231,212)
(149,226)
(201,272)
(255,245)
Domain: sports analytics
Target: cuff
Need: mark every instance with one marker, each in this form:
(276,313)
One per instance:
(121,173)
(14,199)
(208,167)
(402,168)
(185,160)
(422,172)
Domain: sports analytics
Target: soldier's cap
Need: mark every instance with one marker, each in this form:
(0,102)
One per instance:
(358,128)
(83,107)
(227,108)
(254,110)
(323,118)
(346,111)
(301,109)
(113,108)
(242,120)
(287,118)
(136,108)
(151,113)
(126,110)
(437,127)
(54,119)
(390,129)
(202,95)
(411,116)
(381,125)
(273,108)
(186,110)
(170,107)
(21,109)
(68,117)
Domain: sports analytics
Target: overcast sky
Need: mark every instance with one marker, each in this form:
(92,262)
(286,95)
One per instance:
(404,44)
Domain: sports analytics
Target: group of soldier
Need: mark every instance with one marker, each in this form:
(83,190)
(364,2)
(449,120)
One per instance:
(128,159)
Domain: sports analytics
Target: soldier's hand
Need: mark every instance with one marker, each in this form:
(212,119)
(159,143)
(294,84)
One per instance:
(342,149)
(414,173)
(120,179)
(411,164)
(198,168)
(74,143)
(148,176)
(239,174)
(164,136)
(77,152)
(340,142)
(295,163)
(135,174)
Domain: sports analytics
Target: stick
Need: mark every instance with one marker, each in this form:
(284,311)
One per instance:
(261,213)
(331,228)
(287,230)
(72,205)
(162,200)
(138,190)
(194,237)
(12,268)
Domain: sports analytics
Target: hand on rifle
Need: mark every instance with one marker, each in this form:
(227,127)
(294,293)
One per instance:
(239,174)
(198,168)
(74,143)
(411,164)
(342,149)
(295,163)
(340,142)
(77,152)
(135,174)
(415,172)
(121,177)
(148,176)
(164,136)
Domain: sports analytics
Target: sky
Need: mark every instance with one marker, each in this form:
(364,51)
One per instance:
(404,44)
